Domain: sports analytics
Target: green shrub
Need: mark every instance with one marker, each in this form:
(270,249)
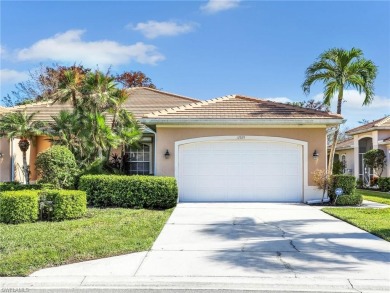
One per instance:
(349,200)
(18,206)
(346,182)
(66,204)
(359,183)
(14,186)
(130,191)
(375,159)
(57,166)
(384,184)
(338,167)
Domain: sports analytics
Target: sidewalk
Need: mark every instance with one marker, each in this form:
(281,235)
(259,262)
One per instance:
(170,284)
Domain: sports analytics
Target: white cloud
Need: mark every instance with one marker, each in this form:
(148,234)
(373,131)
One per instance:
(353,110)
(214,6)
(3,51)
(10,76)
(279,100)
(153,29)
(69,47)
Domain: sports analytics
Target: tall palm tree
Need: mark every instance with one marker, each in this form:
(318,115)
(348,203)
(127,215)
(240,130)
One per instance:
(341,69)
(99,91)
(21,125)
(70,85)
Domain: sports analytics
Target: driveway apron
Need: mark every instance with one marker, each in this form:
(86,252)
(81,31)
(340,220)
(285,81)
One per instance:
(263,240)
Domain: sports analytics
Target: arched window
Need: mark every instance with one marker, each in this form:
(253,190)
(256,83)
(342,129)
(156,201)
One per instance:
(344,162)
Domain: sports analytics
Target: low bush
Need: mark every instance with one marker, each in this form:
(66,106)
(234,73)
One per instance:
(59,205)
(384,184)
(130,191)
(14,186)
(18,206)
(349,200)
(57,166)
(346,182)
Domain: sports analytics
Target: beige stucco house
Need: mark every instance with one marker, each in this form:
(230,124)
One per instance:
(233,148)
(373,135)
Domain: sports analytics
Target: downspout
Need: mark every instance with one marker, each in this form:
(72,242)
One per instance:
(154,152)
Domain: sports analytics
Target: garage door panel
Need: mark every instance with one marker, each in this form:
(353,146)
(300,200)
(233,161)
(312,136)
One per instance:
(240,171)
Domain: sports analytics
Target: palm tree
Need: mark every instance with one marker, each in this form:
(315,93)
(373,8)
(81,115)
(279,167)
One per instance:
(21,125)
(341,69)
(70,85)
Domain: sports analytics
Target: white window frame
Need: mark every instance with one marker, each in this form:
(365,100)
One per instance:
(150,161)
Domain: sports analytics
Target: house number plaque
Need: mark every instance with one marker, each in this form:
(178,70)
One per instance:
(241,137)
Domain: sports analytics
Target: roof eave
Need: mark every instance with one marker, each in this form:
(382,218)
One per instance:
(368,130)
(221,121)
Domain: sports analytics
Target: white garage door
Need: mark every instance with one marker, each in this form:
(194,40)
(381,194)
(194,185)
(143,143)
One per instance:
(240,170)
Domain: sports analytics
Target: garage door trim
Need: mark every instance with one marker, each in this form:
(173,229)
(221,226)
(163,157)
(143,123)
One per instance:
(304,145)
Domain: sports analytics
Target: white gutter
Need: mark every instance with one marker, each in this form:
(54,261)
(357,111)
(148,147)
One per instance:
(189,121)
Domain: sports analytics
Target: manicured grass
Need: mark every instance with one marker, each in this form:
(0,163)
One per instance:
(25,248)
(377,196)
(375,221)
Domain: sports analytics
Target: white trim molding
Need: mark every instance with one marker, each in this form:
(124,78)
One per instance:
(308,191)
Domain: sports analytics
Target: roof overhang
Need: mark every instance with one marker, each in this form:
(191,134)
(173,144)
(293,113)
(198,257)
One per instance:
(368,130)
(244,122)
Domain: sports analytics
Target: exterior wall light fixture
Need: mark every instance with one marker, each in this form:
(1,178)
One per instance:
(315,155)
(167,154)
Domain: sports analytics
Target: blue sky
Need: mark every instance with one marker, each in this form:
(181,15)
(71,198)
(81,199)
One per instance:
(201,49)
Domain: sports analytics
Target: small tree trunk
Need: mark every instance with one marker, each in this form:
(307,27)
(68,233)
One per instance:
(333,150)
(112,128)
(336,133)
(25,168)
(24,145)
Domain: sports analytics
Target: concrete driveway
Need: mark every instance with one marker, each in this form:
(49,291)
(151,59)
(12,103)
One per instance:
(259,247)
(263,240)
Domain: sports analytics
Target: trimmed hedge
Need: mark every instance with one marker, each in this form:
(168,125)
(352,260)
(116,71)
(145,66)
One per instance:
(67,204)
(18,206)
(384,184)
(130,191)
(346,182)
(349,200)
(14,186)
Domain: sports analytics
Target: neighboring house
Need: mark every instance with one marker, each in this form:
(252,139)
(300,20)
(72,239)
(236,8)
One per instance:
(233,148)
(373,135)
(4,154)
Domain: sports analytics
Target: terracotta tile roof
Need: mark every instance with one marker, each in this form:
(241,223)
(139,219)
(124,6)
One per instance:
(239,107)
(345,144)
(140,102)
(3,110)
(383,123)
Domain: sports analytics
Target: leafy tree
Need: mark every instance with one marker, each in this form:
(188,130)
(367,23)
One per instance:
(340,69)
(376,160)
(23,126)
(131,79)
(41,84)
(85,131)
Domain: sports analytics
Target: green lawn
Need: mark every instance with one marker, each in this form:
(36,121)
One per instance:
(25,248)
(377,196)
(375,221)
